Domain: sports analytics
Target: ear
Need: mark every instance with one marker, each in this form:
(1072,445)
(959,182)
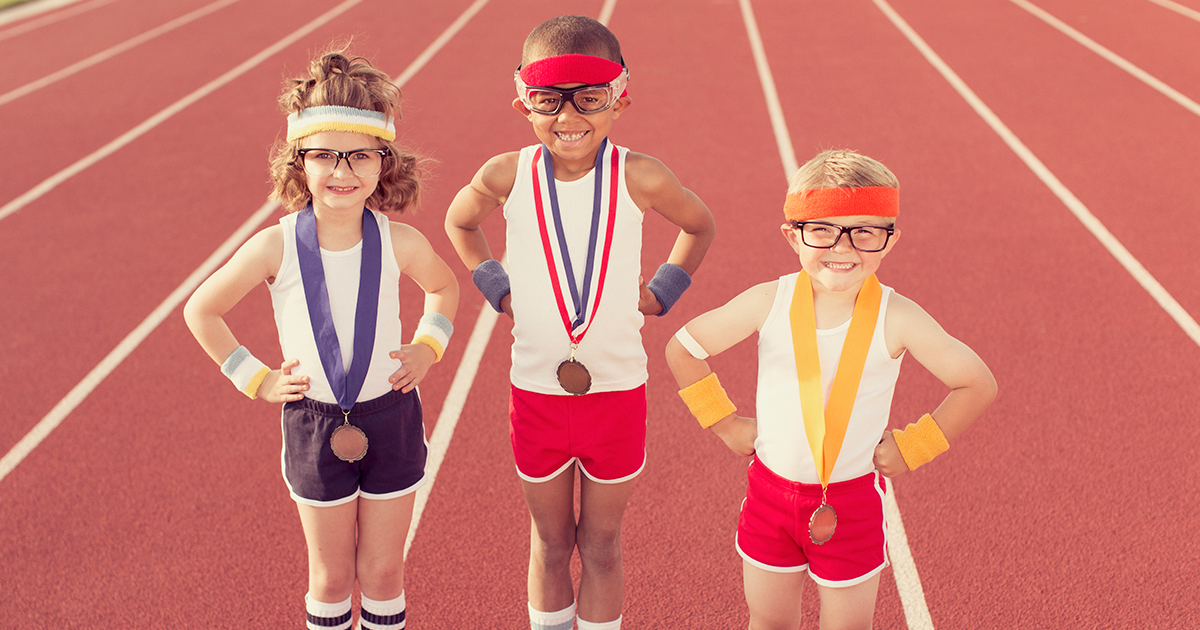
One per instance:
(621,105)
(792,238)
(891,243)
(520,107)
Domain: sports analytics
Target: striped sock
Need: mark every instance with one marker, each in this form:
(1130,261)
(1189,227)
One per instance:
(606,625)
(561,620)
(322,616)
(387,615)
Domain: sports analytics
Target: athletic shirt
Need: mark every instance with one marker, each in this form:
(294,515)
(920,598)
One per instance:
(782,443)
(612,348)
(296,337)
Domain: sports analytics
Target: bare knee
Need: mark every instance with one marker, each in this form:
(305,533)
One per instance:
(554,545)
(331,583)
(600,550)
(380,579)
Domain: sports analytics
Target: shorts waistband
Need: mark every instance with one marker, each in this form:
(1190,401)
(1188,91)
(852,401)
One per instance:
(365,407)
(760,470)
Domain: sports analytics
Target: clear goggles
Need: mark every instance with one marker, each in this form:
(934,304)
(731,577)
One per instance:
(587,99)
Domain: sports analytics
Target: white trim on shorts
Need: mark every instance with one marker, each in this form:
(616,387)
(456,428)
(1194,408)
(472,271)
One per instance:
(575,461)
(870,574)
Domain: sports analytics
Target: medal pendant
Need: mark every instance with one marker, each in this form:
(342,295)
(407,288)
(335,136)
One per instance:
(822,523)
(574,377)
(348,442)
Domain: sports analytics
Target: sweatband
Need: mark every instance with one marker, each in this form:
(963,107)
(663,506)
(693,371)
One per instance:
(920,442)
(434,330)
(822,203)
(312,120)
(668,283)
(246,372)
(690,344)
(707,400)
(492,281)
(565,69)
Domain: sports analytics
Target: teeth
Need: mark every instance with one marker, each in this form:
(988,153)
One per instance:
(571,136)
(839,265)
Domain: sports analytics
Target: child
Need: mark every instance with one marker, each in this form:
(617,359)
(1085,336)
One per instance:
(353,438)
(830,343)
(573,206)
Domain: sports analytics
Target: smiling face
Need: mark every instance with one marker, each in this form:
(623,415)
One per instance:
(841,268)
(341,190)
(573,138)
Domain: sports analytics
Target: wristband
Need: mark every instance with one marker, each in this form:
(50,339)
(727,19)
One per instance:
(492,281)
(668,283)
(690,344)
(246,372)
(707,400)
(434,330)
(920,442)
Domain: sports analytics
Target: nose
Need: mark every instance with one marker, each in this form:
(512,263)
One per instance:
(843,244)
(342,169)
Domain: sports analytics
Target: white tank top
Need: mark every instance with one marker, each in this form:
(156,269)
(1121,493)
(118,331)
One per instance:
(341,277)
(782,443)
(612,349)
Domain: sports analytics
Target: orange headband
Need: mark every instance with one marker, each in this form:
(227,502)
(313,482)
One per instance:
(822,203)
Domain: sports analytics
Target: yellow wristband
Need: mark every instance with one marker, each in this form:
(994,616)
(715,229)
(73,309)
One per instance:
(707,400)
(920,442)
(428,340)
(252,387)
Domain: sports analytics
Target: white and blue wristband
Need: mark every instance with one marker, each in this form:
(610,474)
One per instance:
(668,284)
(492,281)
(434,330)
(246,372)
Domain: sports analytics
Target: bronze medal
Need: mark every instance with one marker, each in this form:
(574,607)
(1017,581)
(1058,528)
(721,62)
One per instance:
(348,442)
(574,377)
(822,523)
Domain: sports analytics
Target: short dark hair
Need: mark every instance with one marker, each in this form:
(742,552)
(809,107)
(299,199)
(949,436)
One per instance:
(571,35)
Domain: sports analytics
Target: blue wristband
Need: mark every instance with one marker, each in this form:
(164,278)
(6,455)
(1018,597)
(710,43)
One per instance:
(668,283)
(492,281)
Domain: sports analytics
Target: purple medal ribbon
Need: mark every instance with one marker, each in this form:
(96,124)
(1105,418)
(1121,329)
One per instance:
(580,302)
(345,385)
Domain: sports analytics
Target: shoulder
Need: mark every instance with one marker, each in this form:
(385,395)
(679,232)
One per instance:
(496,177)
(647,174)
(908,324)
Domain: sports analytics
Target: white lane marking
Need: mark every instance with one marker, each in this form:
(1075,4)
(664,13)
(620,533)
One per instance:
(113,51)
(131,341)
(904,568)
(12,14)
(1112,57)
(1081,212)
(83,163)
(1178,8)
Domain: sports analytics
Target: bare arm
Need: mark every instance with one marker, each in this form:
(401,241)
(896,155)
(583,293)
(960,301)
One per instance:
(717,331)
(417,260)
(972,386)
(488,190)
(256,261)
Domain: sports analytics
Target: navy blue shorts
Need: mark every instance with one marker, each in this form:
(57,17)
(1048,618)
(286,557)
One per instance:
(393,466)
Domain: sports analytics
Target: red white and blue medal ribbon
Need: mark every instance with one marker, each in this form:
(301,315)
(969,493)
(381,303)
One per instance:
(572,375)
(349,443)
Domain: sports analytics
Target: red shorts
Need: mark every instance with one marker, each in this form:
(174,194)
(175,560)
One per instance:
(773,527)
(605,432)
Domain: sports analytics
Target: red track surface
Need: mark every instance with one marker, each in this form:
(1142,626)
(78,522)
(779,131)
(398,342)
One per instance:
(1071,504)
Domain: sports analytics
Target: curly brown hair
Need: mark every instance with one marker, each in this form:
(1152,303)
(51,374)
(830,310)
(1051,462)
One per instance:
(335,78)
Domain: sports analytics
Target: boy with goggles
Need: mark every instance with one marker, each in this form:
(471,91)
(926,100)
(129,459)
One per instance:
(574,205)
(830,342)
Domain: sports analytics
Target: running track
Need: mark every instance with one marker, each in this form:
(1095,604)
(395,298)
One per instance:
(1049,158)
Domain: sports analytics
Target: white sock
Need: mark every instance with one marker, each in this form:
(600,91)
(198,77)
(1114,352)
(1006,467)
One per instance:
(387,615)
(559,620)
(323,616)
(604,625)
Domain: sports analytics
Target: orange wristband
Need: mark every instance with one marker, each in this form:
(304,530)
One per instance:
(920,442)
(707,400)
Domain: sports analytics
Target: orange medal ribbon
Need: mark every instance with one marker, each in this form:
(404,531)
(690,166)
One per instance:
(825,425)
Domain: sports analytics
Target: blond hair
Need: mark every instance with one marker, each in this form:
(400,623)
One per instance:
(840,168)
(335,78)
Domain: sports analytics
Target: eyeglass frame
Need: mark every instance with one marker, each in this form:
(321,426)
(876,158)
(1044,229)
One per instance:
(844,230)
(383,153)
(616,86)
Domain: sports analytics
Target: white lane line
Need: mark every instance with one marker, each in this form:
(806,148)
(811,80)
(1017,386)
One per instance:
(904,568)
(113,51)
(606,11)
(1081,212)
(131,341)
(1178,8)
(1112,57)
(13,14)
(783,138)
(83,163)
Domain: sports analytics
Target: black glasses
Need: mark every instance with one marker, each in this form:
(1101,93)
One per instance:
(587,99)
(323,162)
(864,238)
